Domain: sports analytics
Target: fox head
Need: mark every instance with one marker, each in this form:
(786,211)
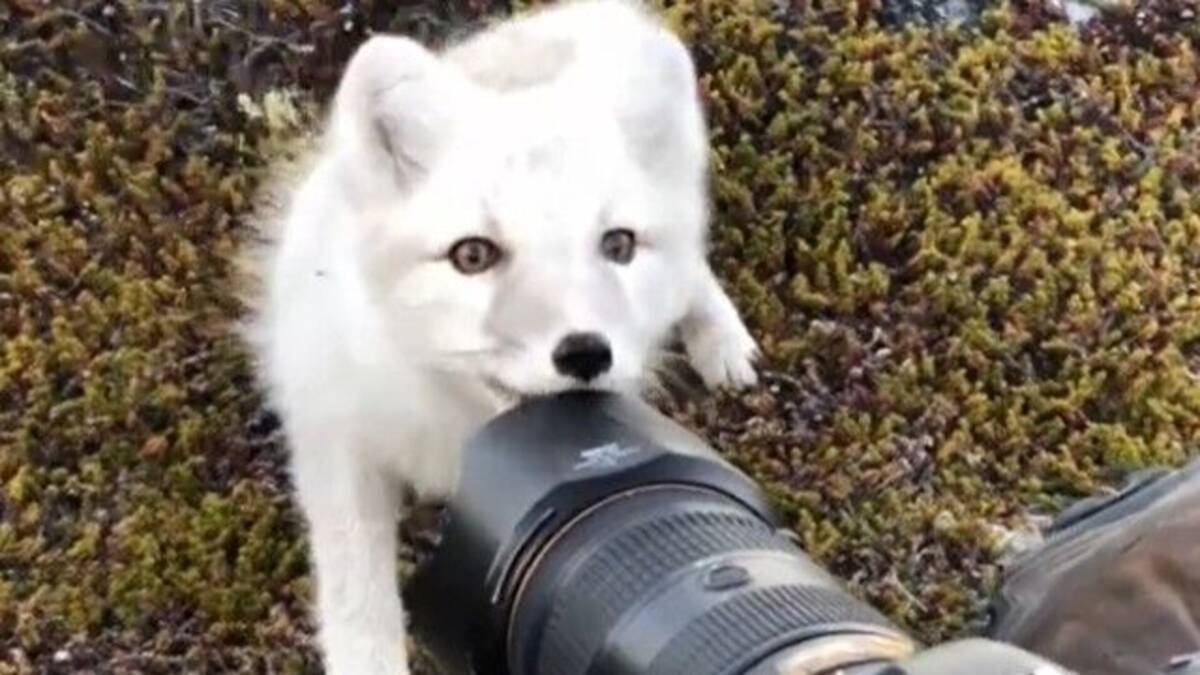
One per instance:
(531,205)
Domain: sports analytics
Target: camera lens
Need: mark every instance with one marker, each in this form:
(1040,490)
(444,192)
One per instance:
(680,580)
(592,535)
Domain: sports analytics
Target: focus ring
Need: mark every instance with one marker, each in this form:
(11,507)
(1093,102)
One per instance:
(618,575)
(747,623)
(673,580)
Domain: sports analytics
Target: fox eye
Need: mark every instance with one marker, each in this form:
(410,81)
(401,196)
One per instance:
(474,255)
(618,245)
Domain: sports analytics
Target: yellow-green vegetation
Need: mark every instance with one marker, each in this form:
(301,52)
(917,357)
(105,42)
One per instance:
(972,258)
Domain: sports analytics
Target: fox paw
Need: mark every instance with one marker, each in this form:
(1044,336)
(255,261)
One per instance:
(724,356)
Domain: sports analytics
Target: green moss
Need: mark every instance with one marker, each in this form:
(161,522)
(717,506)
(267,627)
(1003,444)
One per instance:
(970,259)
(969,272)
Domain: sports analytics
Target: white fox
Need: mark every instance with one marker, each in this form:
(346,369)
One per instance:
(521,213)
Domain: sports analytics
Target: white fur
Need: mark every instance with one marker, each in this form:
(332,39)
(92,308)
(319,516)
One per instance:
(541,133)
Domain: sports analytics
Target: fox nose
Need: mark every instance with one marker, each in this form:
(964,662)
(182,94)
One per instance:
(583,356)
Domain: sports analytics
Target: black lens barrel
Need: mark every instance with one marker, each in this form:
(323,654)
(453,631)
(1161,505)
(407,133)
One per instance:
(674,580)
(591,535)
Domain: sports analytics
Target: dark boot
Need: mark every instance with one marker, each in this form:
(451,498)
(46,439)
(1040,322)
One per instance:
(1115,587)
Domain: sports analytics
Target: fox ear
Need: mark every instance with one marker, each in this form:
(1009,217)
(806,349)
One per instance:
(659,108)
(396,109)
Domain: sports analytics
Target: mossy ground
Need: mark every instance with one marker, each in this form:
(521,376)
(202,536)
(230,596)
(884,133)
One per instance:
(972,258)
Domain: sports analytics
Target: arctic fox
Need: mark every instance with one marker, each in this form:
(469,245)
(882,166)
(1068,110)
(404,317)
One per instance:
(517,214)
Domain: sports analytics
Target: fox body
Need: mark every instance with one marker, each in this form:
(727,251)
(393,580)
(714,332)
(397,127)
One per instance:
(520,213)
